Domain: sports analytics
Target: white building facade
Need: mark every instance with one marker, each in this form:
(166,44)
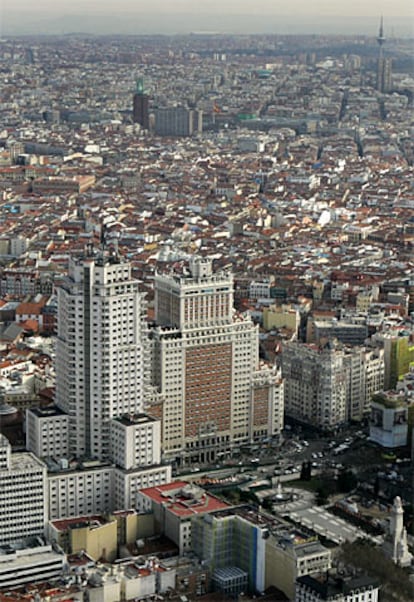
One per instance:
(23,495)
(99,351)
(47,432)
(135,441)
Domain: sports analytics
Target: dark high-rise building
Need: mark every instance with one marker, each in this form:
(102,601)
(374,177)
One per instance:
(140,111)
(384,77)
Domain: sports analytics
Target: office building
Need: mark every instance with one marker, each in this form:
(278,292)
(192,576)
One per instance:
(398,355)
(135,441)
(217,394)
(96,487)
(364,377)
(177,121)
(140,109)
(99,350)
(292,555)
(97,423)
(96,535)
(23,495)
(315,384)
(234,538)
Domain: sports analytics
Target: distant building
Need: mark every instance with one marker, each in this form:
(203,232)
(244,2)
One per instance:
(281,316)
(177,121)
(349,333)
(62,185)
(384,65)
(140,109)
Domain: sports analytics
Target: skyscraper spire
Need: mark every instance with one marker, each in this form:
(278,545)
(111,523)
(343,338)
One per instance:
(384,77)
(381,38)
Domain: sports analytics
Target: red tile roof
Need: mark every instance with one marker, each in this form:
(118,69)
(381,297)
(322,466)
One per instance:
(181,505)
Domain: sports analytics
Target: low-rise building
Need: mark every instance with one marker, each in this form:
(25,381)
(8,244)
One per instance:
(315,588)
(29,561)
(389,420)
(174,506)
(95,535)
(292,555)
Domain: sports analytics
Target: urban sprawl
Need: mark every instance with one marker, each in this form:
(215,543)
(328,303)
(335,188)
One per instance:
(206,318)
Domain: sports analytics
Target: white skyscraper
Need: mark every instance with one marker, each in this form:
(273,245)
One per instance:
(99,351)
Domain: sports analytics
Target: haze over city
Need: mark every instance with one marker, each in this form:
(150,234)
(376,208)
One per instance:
(184,16)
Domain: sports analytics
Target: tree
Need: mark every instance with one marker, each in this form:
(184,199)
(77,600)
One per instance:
(347,481)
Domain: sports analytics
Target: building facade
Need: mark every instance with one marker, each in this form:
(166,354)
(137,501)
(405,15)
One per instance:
(318,587)
(328,385)
(23,495)
(99,350)
(389,420)
(47,433)
(206,367)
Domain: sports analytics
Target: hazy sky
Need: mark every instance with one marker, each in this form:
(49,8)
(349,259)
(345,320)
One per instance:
(346,16)
(323,7)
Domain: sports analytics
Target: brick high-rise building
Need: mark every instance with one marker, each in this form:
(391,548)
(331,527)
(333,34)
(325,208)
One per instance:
(217,394)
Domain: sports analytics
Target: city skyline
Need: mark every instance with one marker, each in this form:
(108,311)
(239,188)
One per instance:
(182,16)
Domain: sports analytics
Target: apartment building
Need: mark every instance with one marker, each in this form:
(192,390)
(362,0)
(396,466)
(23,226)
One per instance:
(328,385)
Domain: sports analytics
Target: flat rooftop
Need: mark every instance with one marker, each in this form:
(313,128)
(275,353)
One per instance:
(93,521)
(184,499)
(134,419)
(47,412)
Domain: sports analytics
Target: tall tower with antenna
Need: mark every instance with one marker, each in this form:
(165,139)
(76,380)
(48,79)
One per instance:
(383,64)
